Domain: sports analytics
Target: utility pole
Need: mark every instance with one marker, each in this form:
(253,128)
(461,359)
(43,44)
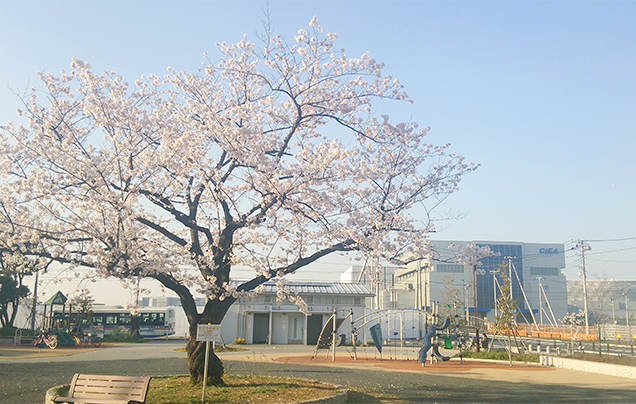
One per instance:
(418,289)
(465,288)
(539,278)
(510,275)
(584,247)
(35,300)
(626,308)
(475,301)
(425,299)
(613,312)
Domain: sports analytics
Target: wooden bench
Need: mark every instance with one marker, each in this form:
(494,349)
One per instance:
(106,389)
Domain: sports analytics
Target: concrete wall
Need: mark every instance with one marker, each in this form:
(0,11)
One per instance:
(592,367)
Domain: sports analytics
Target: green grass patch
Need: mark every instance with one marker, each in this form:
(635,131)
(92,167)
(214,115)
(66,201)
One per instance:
(238,390)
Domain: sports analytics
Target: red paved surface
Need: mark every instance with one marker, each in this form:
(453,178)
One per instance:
(454,365)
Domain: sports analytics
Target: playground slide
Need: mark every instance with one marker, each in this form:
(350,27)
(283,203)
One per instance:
(376,336)
(445,324)
(438,355)
(430,333)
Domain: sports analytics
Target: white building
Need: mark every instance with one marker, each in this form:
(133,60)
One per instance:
(536,272)
(609,301)
(378,279)
(265,320)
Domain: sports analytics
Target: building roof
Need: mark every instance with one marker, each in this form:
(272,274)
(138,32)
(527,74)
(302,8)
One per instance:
(322,288)
(58,298)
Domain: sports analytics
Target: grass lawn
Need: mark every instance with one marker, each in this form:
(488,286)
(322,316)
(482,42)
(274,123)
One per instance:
(238,389)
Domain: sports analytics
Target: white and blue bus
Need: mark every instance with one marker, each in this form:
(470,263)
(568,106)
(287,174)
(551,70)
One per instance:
(150,321)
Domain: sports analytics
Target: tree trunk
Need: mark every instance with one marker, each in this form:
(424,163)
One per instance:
(196,361)
(213,313)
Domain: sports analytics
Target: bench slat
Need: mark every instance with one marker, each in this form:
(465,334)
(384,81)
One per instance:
(106,389)
(93,401)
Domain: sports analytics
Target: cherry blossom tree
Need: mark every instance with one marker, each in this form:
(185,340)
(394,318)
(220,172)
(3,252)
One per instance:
(470,254)
(270,157)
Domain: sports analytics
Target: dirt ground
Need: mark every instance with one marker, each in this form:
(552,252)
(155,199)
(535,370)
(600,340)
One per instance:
(454,365)
(26,373)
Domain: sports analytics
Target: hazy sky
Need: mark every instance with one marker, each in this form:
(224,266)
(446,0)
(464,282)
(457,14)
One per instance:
(541,94)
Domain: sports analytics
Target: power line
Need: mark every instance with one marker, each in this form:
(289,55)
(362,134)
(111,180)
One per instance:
(612,240)
(611,251)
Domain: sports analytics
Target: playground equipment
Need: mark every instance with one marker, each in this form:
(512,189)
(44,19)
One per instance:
(405,331)
(431,332)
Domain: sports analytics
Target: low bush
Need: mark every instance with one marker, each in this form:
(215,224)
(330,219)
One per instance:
(9,332)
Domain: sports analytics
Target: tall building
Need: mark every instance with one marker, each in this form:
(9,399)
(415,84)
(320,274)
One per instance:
(538,284)
(378,279)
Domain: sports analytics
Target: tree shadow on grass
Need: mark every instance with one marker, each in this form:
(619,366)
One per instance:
(356,397)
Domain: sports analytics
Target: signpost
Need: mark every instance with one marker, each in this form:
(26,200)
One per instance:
(207,333)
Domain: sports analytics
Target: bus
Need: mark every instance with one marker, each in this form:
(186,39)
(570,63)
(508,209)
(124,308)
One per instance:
(149,321)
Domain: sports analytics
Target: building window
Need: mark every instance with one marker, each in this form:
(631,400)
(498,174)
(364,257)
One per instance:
(267,299)
(309,299)
(458,269)
(357,301)
(544,271)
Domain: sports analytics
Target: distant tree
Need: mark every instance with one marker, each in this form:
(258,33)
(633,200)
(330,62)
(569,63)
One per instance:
(13,269)
(574,319)
(505,321)
(450,298)
(271,157)
(82,302)
(471,254)
(600,293)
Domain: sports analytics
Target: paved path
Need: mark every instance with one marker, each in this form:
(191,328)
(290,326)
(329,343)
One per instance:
(24,379)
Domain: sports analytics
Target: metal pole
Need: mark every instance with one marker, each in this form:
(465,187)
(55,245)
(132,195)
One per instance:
(465,287)
(402,335)
(425,302)
(35,300)
(205,370)
(494,289)
(334,337)
(626,309)
(510,275)
(584,247)
(540,303)
(418,290)
(354,333)
(475,301)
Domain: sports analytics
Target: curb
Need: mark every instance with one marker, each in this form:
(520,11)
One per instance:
(338,398)
(50,393)
(602,368)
